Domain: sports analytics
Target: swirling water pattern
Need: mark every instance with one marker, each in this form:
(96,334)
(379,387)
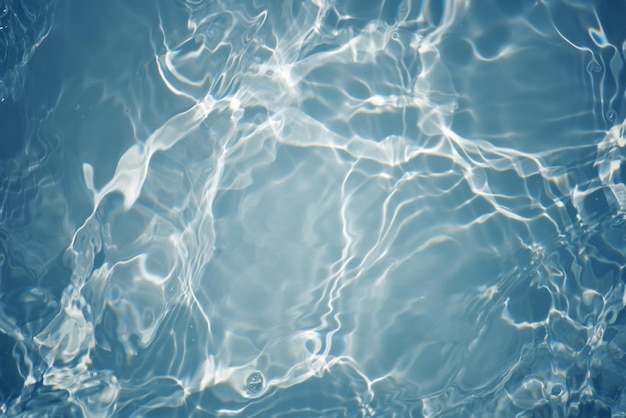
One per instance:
(312,208)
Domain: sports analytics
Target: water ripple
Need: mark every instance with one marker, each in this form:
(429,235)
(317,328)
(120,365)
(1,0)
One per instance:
(315,209)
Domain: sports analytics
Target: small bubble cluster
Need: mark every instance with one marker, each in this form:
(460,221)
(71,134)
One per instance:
(254,383)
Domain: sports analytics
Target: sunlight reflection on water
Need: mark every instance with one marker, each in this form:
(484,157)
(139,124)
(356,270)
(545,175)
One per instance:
(315,208)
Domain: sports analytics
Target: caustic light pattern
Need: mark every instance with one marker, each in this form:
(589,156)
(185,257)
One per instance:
(312,208)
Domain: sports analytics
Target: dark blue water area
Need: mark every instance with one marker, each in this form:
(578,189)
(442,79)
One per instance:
(312,208)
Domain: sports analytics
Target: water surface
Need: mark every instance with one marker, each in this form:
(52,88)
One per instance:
(312,208)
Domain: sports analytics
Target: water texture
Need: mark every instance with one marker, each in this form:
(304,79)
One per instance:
(312,208)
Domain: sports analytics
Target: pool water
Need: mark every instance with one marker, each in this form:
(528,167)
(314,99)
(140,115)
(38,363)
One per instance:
(312,208)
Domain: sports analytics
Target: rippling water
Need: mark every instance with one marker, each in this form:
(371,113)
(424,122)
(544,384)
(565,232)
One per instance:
(312,208)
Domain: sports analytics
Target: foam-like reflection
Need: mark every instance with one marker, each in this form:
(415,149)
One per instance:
(398,209)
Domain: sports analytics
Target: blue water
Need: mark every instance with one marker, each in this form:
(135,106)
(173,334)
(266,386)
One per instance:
(312,208)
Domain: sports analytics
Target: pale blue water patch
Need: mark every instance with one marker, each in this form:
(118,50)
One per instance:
(312,208)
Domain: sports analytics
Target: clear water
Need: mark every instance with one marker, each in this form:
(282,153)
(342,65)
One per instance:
(312,208)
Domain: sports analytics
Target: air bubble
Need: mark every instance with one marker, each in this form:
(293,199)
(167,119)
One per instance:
(269,73)
(593,67)
(254,383)
(557,390)
(395,35)
(611,116)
